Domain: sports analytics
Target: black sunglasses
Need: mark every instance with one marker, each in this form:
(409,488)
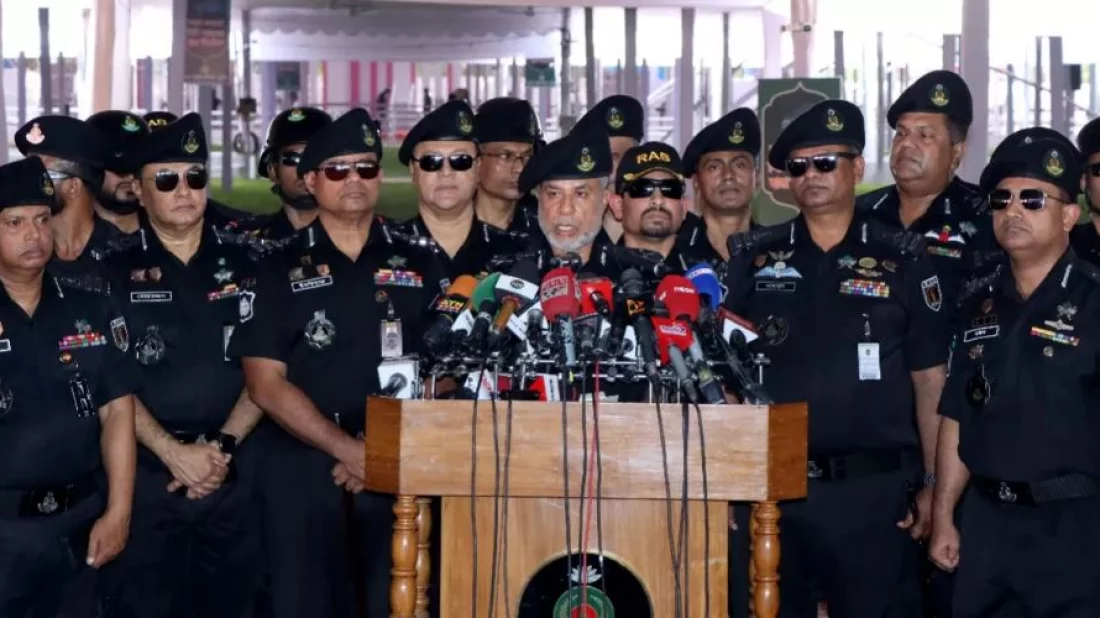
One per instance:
(1031,199)
(1094,169)
(290,158)
(366,170)
(672,189)
(167,180)
(459,162)
(824,163)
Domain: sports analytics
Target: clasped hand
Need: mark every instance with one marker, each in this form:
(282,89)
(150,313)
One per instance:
(201,468)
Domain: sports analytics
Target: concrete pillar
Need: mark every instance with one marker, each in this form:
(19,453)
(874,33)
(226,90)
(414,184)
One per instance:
(803,16)
(45,60)
(1059,84)
(773,44)
(516,76)
(175,63)
(685,121)
(590,93)
(269,95)
(21,87)
(630,75)
(564,108)
(246,91)
(975,70)
(122,73)
(727,69)
(227,136)
(3,101)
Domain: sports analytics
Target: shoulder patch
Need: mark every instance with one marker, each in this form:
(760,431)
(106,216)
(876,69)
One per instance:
(750,240)
(909,244)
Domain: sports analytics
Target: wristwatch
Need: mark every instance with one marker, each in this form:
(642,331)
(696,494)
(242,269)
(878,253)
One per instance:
(227,443)
(929,479)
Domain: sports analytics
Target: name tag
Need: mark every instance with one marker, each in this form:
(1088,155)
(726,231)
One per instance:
(311,284)
(151,297)
(985,332)
(5,345)
(776,286)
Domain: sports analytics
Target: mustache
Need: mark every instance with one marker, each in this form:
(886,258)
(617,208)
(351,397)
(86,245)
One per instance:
(657,209)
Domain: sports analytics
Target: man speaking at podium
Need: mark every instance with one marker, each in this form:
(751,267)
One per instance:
(343,299)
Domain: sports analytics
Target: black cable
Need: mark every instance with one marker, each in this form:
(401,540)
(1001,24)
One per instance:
(494,571)
(582,550)
(706,513)
(678,593)
(473,489)
(685,427)
(504,525)
(599,476)
(565,482)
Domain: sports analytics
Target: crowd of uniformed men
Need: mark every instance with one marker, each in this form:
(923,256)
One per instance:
(182,384)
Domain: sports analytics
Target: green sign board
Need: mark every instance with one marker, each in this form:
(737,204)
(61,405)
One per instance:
(540,73)
(780,101)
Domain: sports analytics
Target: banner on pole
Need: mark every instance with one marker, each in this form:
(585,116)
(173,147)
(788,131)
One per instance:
(207,56)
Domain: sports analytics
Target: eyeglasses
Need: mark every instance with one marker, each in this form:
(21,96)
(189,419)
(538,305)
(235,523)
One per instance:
(672,189)
(824,163)
(290,158)
(1031,199)
(459,161)
(367,170)
(1094,169)
(167,180)
(509,158)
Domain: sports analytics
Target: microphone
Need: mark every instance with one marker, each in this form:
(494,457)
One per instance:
(705,280)
(595,293)
(513,293)
(484,304)
(673,338)
(395,385)
(447,308)
(680,297)
(559,296)
(638,306)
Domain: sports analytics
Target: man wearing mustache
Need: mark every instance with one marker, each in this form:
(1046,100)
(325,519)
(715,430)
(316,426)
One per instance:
(116,201)
(850,315)
(507,133)
(930,121)
(1019,427)
(286,139)
(1085,238)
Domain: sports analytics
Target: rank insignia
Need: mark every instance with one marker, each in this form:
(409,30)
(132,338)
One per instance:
(297,274)
(968,228)
(154,274)
(846,261)
(1056,337)
(120,334)
(933,295)
(863,287)
(137,275)
(397,261)
(1066,311)
(223,276)
(890,266)
(323,270)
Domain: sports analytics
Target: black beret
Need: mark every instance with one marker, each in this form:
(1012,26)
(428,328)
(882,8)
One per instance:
(618,115)
(1045,159)
(737,131)
(159,120)
(353,133)
(291,126)
(183,141)
(938,92)
(575,156)
(1023,137)
(123,129)
(645,158)
(1088,140)
(27,183)
(66,138)
(829,122)
(506,119)
(452,121)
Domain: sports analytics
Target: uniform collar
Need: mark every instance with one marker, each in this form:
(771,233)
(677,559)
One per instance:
(314,235)
(1058,277)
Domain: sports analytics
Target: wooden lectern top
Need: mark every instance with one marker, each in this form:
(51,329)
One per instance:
(423,448)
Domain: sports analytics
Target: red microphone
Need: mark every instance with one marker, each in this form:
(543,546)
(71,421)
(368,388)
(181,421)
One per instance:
(679,296)
(560,297)
(596,295)
(671,333)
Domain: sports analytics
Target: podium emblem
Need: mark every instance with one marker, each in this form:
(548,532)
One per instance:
(601,587)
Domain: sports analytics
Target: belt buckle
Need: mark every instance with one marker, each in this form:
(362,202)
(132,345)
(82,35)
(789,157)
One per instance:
(813,470)
(1005,493)
(49,504)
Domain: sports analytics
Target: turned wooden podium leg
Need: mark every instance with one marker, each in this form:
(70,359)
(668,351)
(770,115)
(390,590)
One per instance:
(423,557)
(764,568)
(403,582)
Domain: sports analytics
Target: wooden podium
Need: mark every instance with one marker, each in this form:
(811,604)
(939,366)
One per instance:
(419,449)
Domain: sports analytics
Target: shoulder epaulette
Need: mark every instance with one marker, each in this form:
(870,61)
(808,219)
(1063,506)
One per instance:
(977,284)
(92,283)
(868,201)
(256,247)
(121,244)
(982,261)
(750,240)
(909,244)
(1088,269)
(402,235)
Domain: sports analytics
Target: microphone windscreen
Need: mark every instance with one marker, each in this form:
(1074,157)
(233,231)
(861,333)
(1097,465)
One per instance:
(559,294)
(679,296)
(706,282)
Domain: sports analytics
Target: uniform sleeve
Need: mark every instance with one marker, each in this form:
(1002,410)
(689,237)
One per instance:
(927,338)
(263,331)
(434,281)
(120,375)
(953,400)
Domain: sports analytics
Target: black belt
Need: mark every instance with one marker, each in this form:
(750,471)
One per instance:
(46,501)
(855,465)
(1068,487)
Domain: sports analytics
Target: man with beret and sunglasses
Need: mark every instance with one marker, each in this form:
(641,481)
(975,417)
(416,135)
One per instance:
(286,138)
(66,415)
(1085,237)
(346,299)
(442,157)
(186,285)
(507,133)
(1019,427)
(116,201)
(930,121)
(74,152)
(850,314)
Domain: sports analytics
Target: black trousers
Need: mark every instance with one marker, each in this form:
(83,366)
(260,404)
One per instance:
(1029,561)
(317,536)
(189,558)
(842,542)
(42,568)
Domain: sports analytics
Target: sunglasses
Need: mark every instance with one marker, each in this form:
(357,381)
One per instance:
(1031,199)
(672,189)
(167,180)
(824,163)
(459,162)
(290,158)
(1094,169)
(367,170)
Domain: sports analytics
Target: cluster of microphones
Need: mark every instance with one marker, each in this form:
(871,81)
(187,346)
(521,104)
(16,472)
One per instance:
(523,336)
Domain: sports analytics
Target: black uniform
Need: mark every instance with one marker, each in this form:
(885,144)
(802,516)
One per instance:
(1021,388)
(483,242)
(1086,242)
(191,556)
(57,368)
(85,271)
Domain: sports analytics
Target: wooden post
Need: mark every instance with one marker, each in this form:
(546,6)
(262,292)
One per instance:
(765,560)
(404,575)
(423,556)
